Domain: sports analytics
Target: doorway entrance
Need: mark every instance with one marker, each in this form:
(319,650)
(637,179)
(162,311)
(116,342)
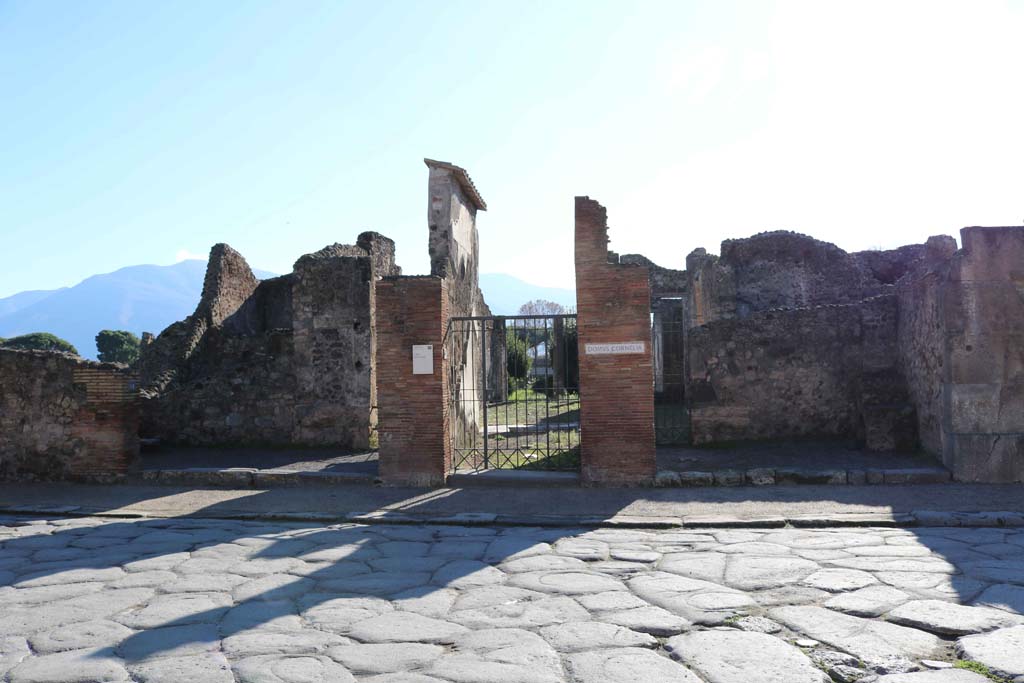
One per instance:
(513,386)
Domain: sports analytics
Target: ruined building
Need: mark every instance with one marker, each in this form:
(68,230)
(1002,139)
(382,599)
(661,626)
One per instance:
(291,361)
(783,336)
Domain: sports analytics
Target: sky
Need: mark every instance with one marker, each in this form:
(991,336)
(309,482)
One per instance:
(145,132)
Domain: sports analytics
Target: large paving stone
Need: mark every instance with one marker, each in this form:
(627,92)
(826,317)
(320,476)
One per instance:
(522,613)
(839,580)
(178,609)
(592,635)
(509,548)
(754,573)
(542,563)
(647,619)
(80,636)
(566,582)
(610,600)
(76,666)
(942,676)
(591,550)
(700,602)
(951,619)
(338,615)
(272,587)
(466,573)
(881,645)
(384,657)
(290,669)
(704,566)
(301,642)
(77,575)
(173,641)
(377,583)
(265,615)
(1001,651)
(396,627)
(209,667)
(872,601)
(728,656)
(1003,596)
(500,655)
(626,664)
(13,649)
(428,601)
(46,594)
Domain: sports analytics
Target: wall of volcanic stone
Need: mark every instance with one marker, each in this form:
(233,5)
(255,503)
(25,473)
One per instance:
(62,417)
(819,372)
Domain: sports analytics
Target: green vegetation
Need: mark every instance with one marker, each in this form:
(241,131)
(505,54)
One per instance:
(117,346)
(979,668)
(39,341)
(518,361)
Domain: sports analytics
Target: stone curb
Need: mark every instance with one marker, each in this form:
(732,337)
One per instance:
(792,476)
(918,518)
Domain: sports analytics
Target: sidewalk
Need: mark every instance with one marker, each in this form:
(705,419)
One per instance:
(883,505)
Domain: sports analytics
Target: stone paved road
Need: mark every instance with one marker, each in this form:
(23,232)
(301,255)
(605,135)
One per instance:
(178,600)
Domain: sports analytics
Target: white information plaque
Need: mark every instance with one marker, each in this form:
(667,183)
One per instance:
(614,348)
(423,359)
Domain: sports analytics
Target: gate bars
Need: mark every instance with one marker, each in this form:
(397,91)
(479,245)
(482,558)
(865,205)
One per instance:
(514,392)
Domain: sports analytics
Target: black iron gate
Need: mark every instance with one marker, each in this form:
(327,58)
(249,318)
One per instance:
(671,418)
(514,392)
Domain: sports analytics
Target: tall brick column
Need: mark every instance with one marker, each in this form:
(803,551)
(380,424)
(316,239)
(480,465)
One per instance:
(413,409)
(616,374)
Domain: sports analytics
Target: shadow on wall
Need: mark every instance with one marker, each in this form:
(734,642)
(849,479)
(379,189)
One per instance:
(183,584)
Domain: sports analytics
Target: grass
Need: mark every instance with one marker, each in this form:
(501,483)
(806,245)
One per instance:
(979,668)
(531,430)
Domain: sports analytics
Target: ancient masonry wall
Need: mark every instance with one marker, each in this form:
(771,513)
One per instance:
(287,361)
(962,341)
(62,417)
(825,371)
(415,444)
(616,391)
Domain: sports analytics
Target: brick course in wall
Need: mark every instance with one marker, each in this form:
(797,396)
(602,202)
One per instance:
(62,417)
(616,390)
(413,421)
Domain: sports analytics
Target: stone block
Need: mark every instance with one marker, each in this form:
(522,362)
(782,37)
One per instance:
(729,478)
(796,475)
(761,476)
(696,478)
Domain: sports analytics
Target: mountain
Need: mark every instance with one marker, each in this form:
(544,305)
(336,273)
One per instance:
(506,293)
(136,298)
(149,298)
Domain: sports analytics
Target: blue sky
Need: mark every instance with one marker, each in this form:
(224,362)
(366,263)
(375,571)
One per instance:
(144,132)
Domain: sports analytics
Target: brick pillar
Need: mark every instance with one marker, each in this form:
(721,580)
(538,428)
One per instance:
(412,408)
(616,374)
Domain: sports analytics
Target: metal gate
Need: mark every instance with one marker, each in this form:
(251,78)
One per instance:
(671,418)
(514,392)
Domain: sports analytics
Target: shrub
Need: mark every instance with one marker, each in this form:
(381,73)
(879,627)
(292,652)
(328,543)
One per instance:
(39,341)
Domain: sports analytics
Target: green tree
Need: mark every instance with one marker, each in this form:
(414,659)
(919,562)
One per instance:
(117,346)
(518,361)
(39,341)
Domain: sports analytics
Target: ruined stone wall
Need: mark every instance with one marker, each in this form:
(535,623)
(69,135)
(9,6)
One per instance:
(962,345)
(822,372)
(453,203)
(788,270)
(286,362)
(62,417)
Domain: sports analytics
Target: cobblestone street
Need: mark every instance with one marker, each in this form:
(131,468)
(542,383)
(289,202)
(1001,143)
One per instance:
(209,600)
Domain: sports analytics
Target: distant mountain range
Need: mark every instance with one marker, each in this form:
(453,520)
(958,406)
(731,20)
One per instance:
(149,298)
